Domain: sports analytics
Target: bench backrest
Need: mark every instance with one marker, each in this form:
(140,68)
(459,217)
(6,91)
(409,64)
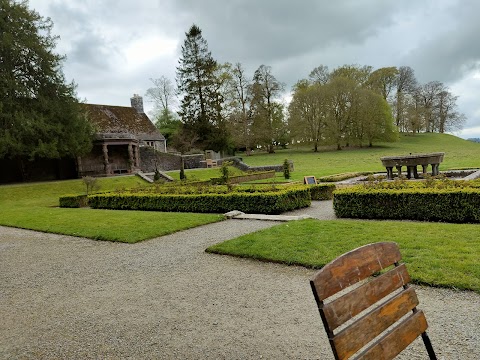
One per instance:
(357,307)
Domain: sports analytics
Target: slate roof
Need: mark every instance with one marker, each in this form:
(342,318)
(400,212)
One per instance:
(122,120)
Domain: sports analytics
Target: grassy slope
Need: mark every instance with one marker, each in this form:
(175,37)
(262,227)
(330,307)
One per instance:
(436,254)
(459,153)
(35,206)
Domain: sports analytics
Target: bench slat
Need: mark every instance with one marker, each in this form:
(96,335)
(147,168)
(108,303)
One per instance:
(394,342)
(351,339)
(349,305)
(353,267)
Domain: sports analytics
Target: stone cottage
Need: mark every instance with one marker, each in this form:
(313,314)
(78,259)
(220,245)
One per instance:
(120,133)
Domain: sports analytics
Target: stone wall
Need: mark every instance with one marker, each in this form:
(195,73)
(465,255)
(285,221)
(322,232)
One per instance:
(149,158)
(238,163)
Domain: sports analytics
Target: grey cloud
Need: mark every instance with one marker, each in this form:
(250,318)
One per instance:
(453,49)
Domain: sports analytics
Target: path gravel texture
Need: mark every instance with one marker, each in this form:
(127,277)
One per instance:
(63,297)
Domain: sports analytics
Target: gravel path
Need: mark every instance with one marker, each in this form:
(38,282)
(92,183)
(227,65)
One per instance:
(63,297)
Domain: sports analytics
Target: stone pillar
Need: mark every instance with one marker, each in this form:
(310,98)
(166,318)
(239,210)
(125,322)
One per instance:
(137,156)
(390,173)
(131,159)
(411,171)
(424,167)
(106,164)
(399,170)
(435,171)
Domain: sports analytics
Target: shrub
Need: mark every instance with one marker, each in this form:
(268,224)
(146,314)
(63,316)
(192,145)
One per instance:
(286,169)
(91,184)
(256,202)
(341,177)
(453,204)
(73,201)
(321,191)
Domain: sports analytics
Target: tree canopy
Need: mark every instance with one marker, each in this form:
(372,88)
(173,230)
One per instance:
(39,113)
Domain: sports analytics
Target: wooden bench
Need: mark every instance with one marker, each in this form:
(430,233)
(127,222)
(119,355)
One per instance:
(376,304)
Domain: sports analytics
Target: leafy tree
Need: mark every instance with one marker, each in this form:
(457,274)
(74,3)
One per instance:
(383,81)
(355,73)
(374,118)
(40,116)
(308,112)
(198,84)
(341,92)
(168,124)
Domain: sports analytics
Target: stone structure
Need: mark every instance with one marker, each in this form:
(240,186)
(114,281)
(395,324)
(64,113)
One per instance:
(238,163)
(121,132)
(411,162)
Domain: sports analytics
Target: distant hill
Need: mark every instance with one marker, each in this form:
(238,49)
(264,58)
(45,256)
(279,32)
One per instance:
(474,140)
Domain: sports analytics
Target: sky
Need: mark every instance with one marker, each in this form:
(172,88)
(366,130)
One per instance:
(114,47)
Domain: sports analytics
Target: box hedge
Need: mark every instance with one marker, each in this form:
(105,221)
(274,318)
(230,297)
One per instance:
(451,204)
(73,201)
(321,191)
(257,202)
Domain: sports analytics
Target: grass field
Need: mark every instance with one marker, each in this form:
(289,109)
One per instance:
(35,206)
(459,153)
(436,254)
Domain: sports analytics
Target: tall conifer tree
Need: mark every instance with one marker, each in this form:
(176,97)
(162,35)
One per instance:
(201,100)
(40,116)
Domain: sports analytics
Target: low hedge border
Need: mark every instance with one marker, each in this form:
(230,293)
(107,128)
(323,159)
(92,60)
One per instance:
(321,191)
(263,203)
(342,176)
(73,201)
(456,205)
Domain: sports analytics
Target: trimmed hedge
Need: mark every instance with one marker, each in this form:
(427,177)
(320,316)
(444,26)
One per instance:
(321,191)
(342,176)
(73,201)
(263,203)
(456,205)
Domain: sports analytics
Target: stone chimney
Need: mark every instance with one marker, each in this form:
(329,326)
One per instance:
(137,103)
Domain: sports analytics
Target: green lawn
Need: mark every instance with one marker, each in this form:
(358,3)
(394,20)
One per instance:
(436,254)
(35,206)
(459,153)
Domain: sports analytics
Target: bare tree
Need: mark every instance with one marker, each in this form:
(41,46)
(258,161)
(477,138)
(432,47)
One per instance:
(406,85)
(163,94)
(265,90)
(239,98)
(320,75)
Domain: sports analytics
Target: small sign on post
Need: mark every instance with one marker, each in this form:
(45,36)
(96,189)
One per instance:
(309,180)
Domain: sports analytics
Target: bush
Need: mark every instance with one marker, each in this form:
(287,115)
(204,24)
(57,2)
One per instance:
(73,201)
(91,184)
(257,202)
(341,177)
(450,204)
(286,169)
(321,191)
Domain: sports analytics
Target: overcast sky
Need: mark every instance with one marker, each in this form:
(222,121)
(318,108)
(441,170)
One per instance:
(114,47)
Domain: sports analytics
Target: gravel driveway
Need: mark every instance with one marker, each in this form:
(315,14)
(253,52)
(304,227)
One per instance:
(63,297)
